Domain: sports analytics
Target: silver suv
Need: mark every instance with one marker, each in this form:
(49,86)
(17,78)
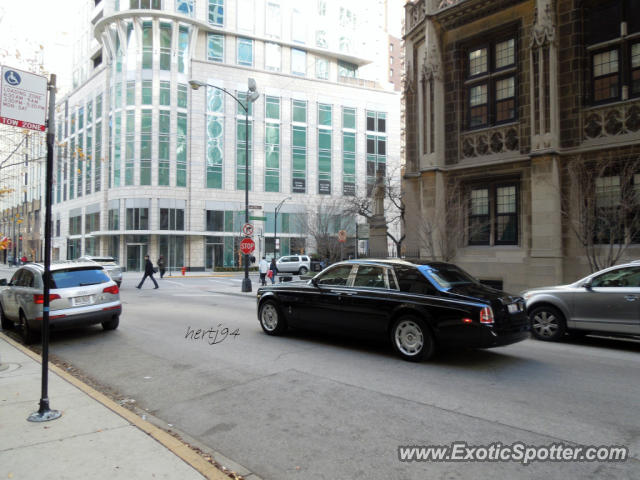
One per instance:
(81,293)
(110,265)
(605,301)
(299,264)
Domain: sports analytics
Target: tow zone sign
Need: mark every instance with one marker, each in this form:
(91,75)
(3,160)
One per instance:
(23,99)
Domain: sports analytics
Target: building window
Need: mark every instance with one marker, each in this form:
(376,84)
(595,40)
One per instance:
(185,7)
(298,62)
(346,69)
(165,93)
(615,69)
(215,221)
(181,151)
(131,93)
(165,46)
(183,49)
(322,68)
(242,162)
(376,147)
(92,222)
(75,224)
(215,47)
(273,57)
(114,216)
(298,27)
(245,15)
(164,139)
(216,12)
(137,218)
(491,83)
(348,151)
(98,156)
(272,144)
(299,146)
(147,92)
(324,148)
(145,147)
(130,144)
(493,214)
(182,95)
(245,52)
(147,45)
(321,39)
(273,27)
(142,4)
(215,137)
(172,219)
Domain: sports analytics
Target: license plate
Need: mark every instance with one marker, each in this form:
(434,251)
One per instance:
(84,300)
(513,308)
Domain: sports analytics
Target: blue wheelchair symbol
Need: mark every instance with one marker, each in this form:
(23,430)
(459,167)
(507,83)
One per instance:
(12,78)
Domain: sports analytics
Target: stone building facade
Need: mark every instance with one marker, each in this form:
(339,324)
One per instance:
(504,98)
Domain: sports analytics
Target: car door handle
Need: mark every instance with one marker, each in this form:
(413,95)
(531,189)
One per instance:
(346,294)
(631,298)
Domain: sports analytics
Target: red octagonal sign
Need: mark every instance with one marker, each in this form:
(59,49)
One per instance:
(247,246)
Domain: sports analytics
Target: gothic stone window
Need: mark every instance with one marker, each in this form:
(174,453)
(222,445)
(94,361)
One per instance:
(493,215)
(490,82)
(612,38)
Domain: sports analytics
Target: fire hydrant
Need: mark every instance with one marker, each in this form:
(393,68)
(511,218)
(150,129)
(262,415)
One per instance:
(184,270)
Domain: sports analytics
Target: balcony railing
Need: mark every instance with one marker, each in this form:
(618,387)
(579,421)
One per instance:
(611,123)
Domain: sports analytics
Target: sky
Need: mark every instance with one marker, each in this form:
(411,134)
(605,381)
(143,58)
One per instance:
(38,31)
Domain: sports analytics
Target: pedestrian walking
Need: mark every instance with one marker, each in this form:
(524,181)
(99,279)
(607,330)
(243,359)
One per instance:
(263,267)
(161,268)
(148,272)
(274,271)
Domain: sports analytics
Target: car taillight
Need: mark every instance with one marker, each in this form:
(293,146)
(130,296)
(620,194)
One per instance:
(486,315)
(112,289)
(38,298)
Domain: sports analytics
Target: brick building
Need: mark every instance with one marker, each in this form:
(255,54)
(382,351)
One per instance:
(508,104)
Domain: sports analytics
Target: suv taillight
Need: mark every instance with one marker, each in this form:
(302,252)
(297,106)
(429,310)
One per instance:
(112,289)
(38,298)
(486,316)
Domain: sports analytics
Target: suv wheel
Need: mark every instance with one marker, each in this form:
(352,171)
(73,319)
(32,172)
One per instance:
(303,270)
(28,336)
(547,323)
(111,324)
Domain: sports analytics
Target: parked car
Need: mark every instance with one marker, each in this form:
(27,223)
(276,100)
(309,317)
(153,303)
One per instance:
(299,264)
(81,293)
(607,301)
(110,265)
(418,307)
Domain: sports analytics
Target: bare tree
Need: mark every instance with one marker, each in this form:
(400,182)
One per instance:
(394,212)
(442,232)
(602,207)
(322,222)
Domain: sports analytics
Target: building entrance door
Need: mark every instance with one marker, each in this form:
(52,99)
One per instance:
(135,257)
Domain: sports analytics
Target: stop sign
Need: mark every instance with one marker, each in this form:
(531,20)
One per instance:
(247,246)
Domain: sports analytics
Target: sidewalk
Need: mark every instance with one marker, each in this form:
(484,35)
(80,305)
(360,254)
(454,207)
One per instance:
(94,438)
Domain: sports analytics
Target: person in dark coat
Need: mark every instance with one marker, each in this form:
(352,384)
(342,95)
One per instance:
(161,268)
(148,272)
(274,270)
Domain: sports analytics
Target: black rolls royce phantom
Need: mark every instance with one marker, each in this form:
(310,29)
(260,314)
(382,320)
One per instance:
(417,306)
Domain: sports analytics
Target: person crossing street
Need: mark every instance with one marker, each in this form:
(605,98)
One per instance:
(148,272)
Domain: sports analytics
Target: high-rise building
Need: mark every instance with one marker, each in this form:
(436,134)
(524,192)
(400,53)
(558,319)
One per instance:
(146,165)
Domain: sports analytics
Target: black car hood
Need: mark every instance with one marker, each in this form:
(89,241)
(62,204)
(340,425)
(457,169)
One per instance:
(481,292)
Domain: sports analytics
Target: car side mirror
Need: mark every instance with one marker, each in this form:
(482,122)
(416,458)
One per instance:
(3,282)
(314,281)
(587,285)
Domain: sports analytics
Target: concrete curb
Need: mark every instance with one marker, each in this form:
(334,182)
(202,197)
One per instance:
(172,444)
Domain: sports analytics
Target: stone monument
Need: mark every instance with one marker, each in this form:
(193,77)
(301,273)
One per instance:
(378,223)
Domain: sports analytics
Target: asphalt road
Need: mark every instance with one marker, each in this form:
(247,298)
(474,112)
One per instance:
(312,406)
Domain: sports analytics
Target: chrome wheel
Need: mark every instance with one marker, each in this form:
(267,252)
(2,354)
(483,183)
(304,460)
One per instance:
(269,317)
(409,338)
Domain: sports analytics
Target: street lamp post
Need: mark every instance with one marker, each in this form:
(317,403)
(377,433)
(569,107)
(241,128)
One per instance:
(275,225)
(252,96)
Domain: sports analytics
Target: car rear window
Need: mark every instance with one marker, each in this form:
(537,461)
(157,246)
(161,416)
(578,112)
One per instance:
(447,276)
(78,277)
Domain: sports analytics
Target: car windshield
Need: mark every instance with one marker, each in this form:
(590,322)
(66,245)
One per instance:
(78,277)
(447,276)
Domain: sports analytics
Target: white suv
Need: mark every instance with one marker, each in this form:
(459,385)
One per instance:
(299,264)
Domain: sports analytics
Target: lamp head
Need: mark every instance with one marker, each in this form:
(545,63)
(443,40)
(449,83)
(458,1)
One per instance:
(252,94)
(196,84)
